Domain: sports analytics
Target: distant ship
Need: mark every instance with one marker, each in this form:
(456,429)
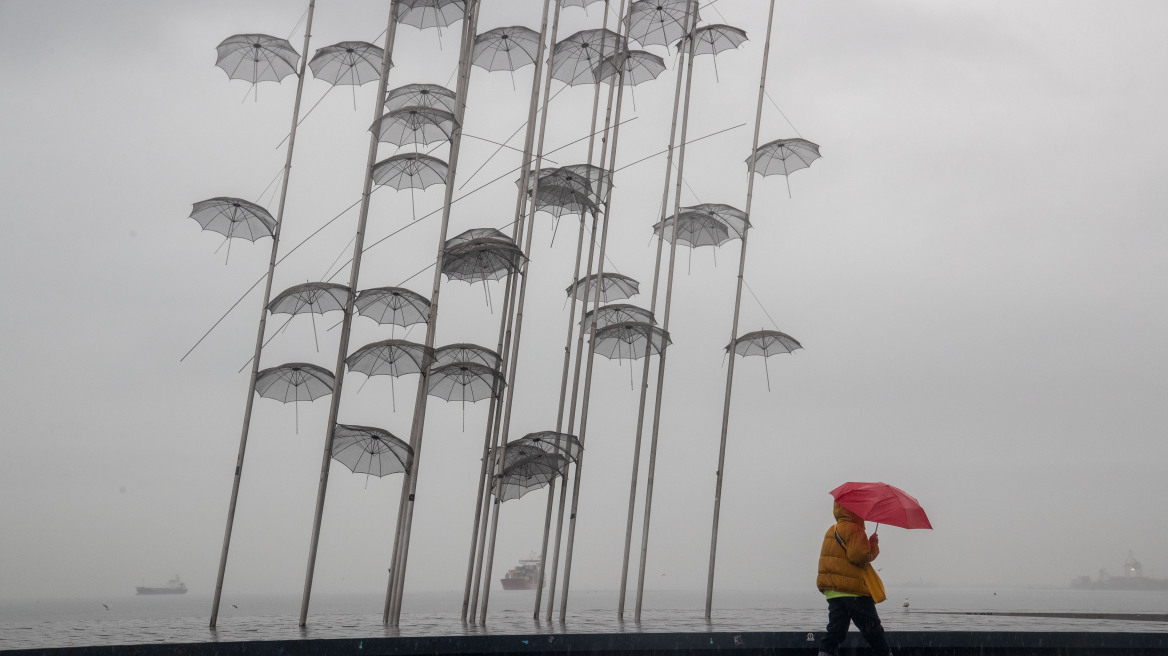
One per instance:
(525,576)
(1133,579)
(173,586)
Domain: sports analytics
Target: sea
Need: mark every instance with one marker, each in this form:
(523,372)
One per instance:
(130,619)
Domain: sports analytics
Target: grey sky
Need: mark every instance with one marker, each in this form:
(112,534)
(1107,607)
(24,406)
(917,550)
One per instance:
(976,269)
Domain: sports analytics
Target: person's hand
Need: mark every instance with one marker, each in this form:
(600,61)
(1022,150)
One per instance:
(874,540)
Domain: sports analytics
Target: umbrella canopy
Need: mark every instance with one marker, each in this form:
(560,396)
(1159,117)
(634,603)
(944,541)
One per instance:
(369,450)
(606,315)
(295,381)
(526,468)
(410,171)
(614,287)
(392,357)
(881,503)
(452,353)
(734,218)
(713,39)
(314,297)
(505,48)
(424,14)
(784,156)
(765,343)
(577,56)
(585,180)
(234,217)
(638,65)
(659,22)
(482,259)
(558,200)
(393,305)
(552,442)
(414,125)
(465,381)
(694,229)
(477,234)
(256,58)
(630,340)
(348,62)
(431,96)
(576,3)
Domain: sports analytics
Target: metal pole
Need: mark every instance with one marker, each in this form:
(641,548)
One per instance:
(599,282)
(620,611)
(766,49)
(409,484)
(259,345)
(522,198)
(343,347)
(661,358)
(568,349)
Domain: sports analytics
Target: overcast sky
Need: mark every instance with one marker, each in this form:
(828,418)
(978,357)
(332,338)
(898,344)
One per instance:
(976,270)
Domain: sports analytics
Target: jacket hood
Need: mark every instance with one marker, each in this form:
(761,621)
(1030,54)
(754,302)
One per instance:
(844,515)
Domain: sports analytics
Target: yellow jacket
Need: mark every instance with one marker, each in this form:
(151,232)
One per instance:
(839,569)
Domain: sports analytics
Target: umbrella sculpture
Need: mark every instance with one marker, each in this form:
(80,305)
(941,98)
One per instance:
(713,39)
(256,58)
(639,66)
(658,22)
(606,315)
(784,157)
(694,229)
(482,259)
(410,171)
(765,343)
(431,96)
(234,217)
(312,297)
(505,49)
(614,287)
(525,469)
(629,340)
(734,218)
(390,357)
(882,503)
(451,353)
(294,382)
(393,305)
(594,180)
(577,56)
(465,381)
(478,233)
(553,442)
(348,62)
(414,125)
(424,14)
(558,200)
(369,450)
(577,3)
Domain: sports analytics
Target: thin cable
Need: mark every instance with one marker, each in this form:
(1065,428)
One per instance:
(764,310)
(776,105)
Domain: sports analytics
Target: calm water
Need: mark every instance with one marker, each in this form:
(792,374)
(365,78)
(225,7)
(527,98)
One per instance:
(183,618)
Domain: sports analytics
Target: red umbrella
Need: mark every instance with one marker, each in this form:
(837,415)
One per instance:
(882,503)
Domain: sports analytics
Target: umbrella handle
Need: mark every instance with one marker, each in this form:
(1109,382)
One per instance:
(877,529)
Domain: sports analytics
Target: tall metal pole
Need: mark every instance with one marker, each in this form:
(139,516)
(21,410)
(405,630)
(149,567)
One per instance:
(597,284)
(734,326)
(259,345)
(346,324)
(522,198)
(661,357)
(410,483)
(568,353)
(255,361)
(681,66)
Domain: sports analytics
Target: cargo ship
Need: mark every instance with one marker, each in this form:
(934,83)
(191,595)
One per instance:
(1132,579)
(173,586)
(525,576)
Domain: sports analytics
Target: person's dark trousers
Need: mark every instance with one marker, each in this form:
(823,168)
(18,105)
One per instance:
(861,611)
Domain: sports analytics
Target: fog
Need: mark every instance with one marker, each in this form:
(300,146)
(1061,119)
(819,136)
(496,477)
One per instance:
(975,268)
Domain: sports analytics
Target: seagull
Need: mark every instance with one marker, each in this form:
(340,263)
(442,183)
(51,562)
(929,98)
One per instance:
(234,606)
(106,607)
(905,604)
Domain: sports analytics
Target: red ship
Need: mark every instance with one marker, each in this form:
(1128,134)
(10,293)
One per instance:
(525,576)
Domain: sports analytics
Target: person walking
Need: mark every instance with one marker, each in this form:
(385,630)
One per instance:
(850,584)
